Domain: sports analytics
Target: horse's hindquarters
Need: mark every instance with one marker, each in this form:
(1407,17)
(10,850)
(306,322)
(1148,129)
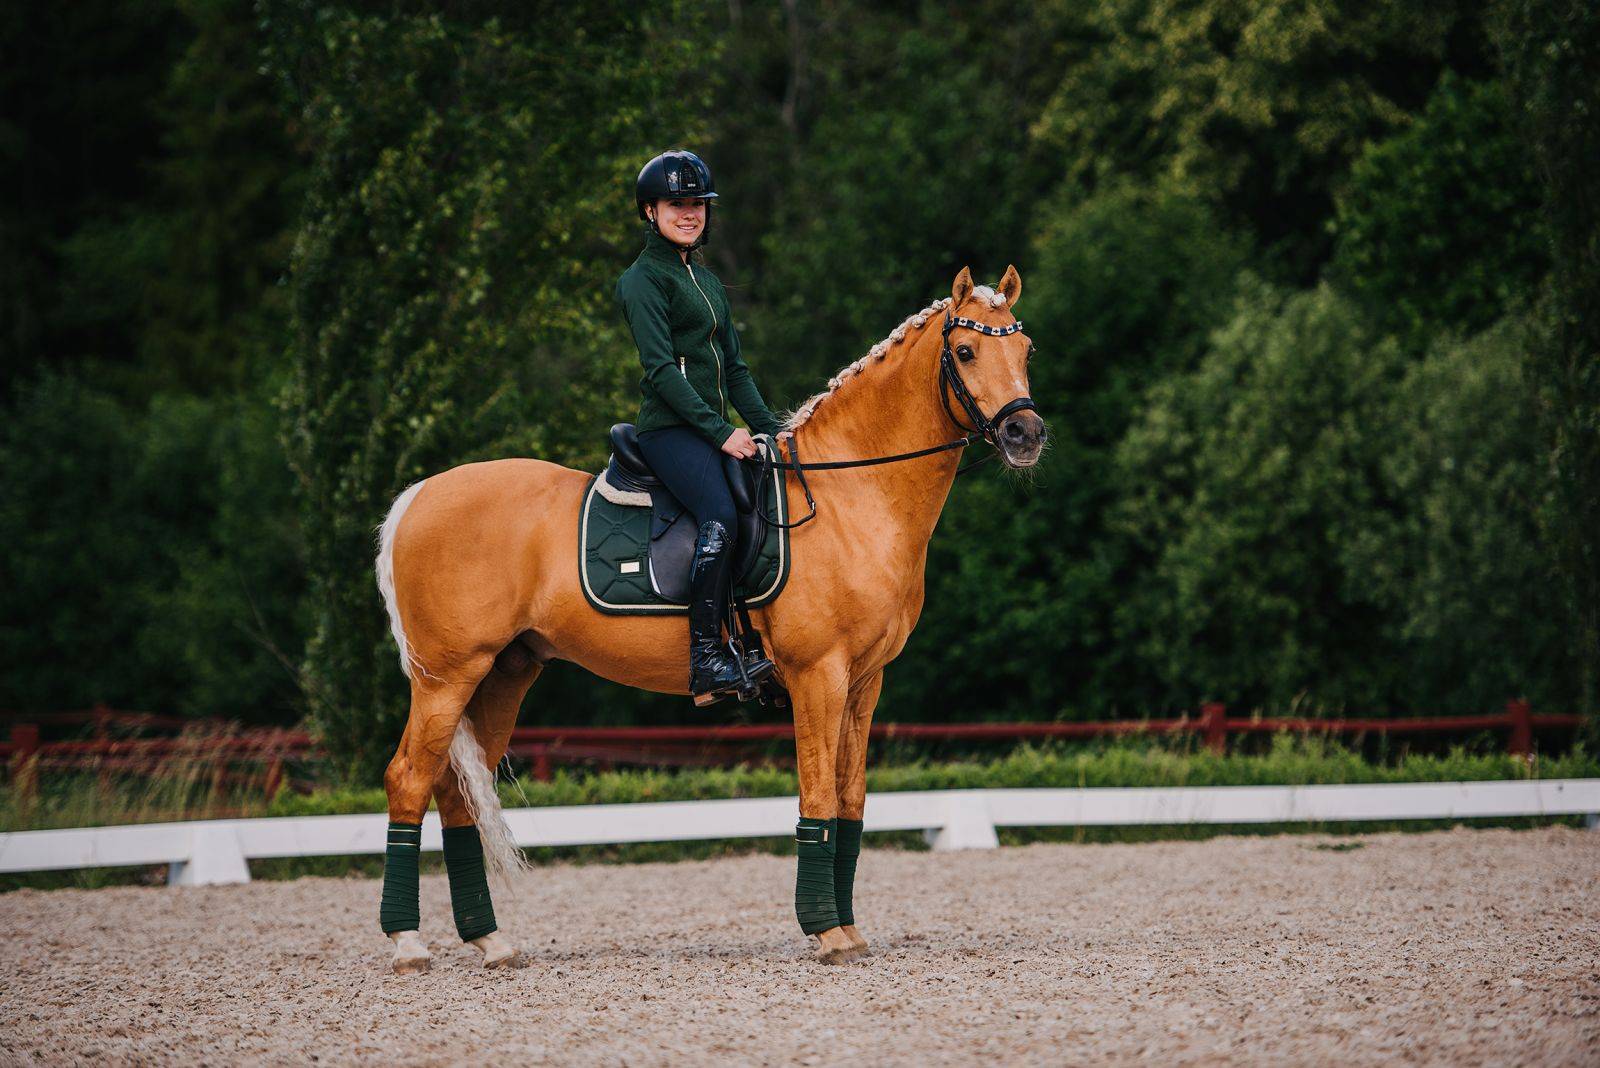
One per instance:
(479,552)
(487,554)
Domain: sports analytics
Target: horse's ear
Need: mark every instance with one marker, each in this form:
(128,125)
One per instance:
(1011,286)
(962,289)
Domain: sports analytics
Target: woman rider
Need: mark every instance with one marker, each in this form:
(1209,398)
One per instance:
(681,322)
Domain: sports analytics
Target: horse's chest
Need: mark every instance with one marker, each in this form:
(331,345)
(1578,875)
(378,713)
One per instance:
(889,612)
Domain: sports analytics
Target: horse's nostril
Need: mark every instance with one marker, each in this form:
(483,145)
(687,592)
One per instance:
(1015,432)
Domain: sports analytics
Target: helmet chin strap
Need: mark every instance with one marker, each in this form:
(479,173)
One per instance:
(699,242)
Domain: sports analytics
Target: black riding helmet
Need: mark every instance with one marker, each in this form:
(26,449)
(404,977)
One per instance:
(676,174)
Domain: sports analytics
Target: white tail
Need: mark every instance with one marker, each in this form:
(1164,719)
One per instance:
(386,576)
(501,857)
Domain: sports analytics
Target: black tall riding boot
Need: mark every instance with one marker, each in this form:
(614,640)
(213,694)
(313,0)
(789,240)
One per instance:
(712,667)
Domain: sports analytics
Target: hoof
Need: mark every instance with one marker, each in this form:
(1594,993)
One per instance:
(411,955)
(835,947)
(497,950)
(860,943)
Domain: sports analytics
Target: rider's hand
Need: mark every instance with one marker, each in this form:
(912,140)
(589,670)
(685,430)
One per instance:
(740,444)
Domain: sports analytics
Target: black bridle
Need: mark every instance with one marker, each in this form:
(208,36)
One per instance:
(950,382)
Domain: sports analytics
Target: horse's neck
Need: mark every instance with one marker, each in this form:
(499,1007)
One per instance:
(891,406)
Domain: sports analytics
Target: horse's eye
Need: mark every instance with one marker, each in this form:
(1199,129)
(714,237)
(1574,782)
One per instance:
(964,353)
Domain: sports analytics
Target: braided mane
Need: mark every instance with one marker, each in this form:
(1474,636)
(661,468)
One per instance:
(798,416)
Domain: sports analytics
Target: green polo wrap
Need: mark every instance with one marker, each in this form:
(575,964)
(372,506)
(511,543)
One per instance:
(844,870)
(469,886)
(399,910)
(814,903)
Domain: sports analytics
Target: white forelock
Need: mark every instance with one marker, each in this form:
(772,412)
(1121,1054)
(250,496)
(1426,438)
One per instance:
(989,296)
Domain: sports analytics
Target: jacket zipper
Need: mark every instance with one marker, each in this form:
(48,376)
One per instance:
(716,354)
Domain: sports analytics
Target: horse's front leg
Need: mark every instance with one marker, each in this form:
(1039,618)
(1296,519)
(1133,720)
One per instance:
(818,697)
(851,788)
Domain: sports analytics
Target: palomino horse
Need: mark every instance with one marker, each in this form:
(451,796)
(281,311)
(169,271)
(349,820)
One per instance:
(480,575)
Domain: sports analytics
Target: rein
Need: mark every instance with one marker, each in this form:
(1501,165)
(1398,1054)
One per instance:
(950,382)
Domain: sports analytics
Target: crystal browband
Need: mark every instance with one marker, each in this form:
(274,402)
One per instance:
(983,328)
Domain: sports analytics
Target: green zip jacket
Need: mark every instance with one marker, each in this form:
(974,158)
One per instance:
(690,351)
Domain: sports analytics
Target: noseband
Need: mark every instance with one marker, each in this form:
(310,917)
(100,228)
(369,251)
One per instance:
(950,382)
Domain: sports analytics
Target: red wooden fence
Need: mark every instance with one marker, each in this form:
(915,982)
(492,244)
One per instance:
(259,756)
(543,746)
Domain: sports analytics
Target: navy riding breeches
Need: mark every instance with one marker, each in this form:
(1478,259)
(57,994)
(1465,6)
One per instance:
(692,469)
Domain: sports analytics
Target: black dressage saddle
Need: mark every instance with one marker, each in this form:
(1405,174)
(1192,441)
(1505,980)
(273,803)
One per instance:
(672,527)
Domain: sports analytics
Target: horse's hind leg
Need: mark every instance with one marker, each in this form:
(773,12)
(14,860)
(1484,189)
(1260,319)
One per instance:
(491,716)
(436,708)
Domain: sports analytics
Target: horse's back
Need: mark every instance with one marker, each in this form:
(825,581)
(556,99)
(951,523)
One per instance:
(500,489)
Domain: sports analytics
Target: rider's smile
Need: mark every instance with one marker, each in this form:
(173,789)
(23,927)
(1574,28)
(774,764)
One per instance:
(681,220)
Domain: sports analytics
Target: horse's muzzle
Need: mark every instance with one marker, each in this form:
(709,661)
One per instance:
(1021,438)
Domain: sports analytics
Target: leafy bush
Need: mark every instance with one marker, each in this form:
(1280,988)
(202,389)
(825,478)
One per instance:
(1331,524)
(161,572)
(1439,226)
(1549,52)
(1471,611)
(1255,108)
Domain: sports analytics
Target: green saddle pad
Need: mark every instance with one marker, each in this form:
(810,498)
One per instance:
(614,552)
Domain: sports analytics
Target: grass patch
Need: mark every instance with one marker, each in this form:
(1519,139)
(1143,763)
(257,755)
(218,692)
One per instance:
(77,801)
(1289,762)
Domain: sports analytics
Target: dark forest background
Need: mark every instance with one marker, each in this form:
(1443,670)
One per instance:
(1313,287)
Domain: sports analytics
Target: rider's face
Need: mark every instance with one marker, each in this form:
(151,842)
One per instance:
(680,220)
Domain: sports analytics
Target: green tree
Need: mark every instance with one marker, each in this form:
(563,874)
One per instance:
(1248,477)
(1474,614)
(1333,524)
(1258,107)
(1551,49)
(152,222)
(1439,226)
(73,530)
(469,205)
(153,537)
(229,182)
(229,622)
(151,554)
(78,138)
